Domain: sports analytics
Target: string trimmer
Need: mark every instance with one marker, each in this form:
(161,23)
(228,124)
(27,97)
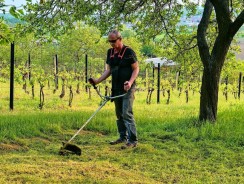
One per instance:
(69,148)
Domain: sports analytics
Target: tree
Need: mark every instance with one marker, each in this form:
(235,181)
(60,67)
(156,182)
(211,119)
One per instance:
(150,18)
(8,31)
(213,60)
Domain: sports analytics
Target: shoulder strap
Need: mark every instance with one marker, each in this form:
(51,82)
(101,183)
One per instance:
(121,53)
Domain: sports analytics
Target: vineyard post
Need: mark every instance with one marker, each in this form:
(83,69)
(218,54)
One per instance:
(153,73)
(90,73)
(86,70)
(147,82)
(177,79)
(29,63)
(239,90)
(56,71)
(158,93)
(11,103)
(56,60)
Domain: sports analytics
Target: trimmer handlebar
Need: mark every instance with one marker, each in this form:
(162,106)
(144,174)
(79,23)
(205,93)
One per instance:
(103,97)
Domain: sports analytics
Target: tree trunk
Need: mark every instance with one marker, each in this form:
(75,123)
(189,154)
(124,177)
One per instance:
(209,96)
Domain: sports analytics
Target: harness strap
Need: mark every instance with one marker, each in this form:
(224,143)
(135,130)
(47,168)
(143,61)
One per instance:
(121,53)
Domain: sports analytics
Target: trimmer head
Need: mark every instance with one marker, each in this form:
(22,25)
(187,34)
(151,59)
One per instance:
(68,148)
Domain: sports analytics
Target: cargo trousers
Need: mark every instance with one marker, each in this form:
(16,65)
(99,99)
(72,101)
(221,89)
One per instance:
(125,118)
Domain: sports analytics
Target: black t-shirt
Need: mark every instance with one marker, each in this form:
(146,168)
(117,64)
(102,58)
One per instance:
(120,64)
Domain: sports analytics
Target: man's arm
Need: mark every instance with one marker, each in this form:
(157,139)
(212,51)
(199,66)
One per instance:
(135,68)
(104,76)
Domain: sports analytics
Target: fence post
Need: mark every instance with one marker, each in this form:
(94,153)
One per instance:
(239,90)
(29,66)
(177,79)
(86,70)
(153,73)
(158,94)
(11,103)
(56,71)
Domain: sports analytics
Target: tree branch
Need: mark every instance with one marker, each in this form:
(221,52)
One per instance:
(182,51)
(236,25)
(201,33)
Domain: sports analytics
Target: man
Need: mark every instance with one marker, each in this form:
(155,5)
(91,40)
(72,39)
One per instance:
(122,64)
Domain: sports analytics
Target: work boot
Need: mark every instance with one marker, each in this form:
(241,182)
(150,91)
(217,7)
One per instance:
(118,141)
(129,145)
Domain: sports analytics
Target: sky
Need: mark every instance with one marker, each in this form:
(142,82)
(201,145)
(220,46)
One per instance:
(15,2)
(20,2)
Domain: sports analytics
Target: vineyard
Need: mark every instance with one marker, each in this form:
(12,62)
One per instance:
(189,98)
(64,66)
(45,93)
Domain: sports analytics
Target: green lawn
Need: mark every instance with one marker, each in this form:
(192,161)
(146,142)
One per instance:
(172,147)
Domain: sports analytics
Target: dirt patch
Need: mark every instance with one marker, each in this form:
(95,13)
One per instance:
(10,147)
(42,140)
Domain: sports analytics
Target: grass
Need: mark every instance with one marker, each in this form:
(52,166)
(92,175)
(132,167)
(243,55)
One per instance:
(172,148)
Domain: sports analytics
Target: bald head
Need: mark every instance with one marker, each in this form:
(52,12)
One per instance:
(115,34)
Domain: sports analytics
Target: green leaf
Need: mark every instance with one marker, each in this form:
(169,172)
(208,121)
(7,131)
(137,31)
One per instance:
(21,11)
(13,12)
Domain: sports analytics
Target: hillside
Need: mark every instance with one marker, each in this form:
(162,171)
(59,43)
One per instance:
(9,18)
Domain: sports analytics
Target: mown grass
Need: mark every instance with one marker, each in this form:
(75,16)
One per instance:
(173,147)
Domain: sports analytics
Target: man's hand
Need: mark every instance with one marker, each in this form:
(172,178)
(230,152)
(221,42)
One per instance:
(127,85)
(92,81)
